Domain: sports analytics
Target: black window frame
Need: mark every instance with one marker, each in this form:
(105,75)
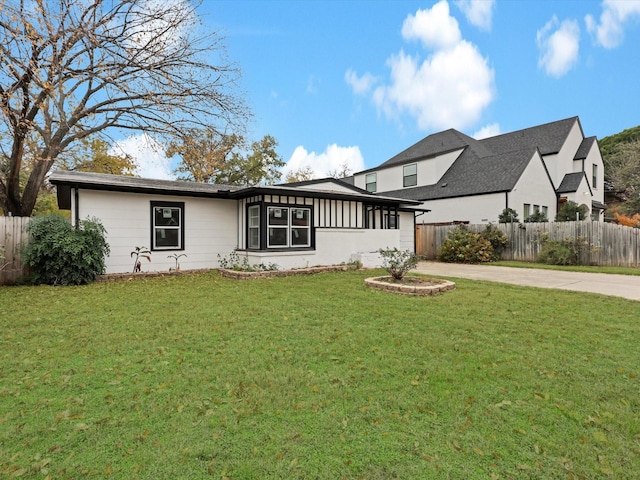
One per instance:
(409,180)
(263,236)
(154,204)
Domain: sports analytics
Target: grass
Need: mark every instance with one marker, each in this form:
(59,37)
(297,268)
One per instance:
(570,268)
(316,377)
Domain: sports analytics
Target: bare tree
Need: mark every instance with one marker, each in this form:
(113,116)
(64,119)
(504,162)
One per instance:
(74,68)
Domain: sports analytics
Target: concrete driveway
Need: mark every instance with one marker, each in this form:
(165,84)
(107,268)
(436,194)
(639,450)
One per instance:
(625,286)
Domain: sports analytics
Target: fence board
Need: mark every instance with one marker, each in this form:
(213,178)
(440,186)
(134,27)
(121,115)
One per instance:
(12,234)
(607,244)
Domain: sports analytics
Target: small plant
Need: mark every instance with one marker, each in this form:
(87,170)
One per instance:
(140,252)
(60,254)
(398,262)
(176,257)
(562,252)
(233,262)
(508,215)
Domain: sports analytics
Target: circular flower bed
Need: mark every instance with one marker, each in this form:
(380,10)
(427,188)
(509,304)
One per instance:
(411,285)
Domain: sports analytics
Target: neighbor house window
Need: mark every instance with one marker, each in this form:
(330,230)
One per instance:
(288,227)
(536,208)
(545,210)
(527,211)
(254,226)
(410,175)
(370,181)
(594,176)
(167,225)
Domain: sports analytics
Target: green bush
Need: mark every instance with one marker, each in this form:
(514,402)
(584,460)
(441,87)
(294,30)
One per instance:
(464,246)
(497,238)
(538,217)
(398,262)
(59,254)
(569,210)
(508,215)
(558,252)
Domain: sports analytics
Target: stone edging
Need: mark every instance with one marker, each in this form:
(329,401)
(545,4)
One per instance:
(114,277)
(425,290)
(240,275)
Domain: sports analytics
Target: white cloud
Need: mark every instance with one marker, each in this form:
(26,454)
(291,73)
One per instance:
(148,155)
(487,131)
(478,12)
(332,159)
(448,89)
(609,32)
(434,27)
(359,85)
(559,44)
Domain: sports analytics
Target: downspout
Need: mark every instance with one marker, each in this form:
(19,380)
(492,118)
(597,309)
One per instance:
(76,201)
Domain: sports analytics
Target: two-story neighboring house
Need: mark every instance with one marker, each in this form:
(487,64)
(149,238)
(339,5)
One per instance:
(463,179)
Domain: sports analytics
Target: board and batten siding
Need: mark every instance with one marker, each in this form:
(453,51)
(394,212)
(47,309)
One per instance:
(210,228)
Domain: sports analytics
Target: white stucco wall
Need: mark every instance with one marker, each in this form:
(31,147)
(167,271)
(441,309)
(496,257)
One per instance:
(429,172)
(475,209)
(533,188)
(595,158)
(210,228)
(582,196)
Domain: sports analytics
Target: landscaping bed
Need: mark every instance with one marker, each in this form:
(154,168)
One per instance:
(411,285)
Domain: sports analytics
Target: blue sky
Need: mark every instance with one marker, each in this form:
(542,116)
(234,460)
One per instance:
(357,82)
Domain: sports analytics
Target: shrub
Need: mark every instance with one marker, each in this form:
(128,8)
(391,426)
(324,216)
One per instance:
(398,262)
(464,246)
(569,210)
(497,238)
(59,254)
(538,217)
(508,215)
(562,252)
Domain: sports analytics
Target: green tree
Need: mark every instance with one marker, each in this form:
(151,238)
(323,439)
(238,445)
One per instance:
(209,157)
(537,217)
(72,69)
(302,174)
(93,156)
(570,210)
(622,169)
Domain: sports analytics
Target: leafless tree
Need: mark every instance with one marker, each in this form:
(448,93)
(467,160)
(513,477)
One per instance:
(74,68)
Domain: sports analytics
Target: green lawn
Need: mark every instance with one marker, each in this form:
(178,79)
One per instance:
(570,268)
(316,377)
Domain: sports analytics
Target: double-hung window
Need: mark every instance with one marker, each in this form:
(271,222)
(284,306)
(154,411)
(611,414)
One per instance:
(254,226)
(371,181)
(526,211)
(288,227)
(167,225)
(410,175)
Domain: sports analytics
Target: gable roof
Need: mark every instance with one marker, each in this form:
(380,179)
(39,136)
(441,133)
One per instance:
(65,180)
(472,175)
(490,165)
(584,148)
(571,182)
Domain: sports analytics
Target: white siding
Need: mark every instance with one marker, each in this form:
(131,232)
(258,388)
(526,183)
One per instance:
(210,228)
(533,188)
(582,196)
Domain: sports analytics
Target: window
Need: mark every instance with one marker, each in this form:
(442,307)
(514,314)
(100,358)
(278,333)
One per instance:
(371,182)
(410,175)
(288,227)
(527,211)
(536,208)
(167,225)
(545,210)
(254,227)
(391,221)
(594,176)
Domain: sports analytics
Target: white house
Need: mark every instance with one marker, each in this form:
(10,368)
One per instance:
(463,179)
(328,223)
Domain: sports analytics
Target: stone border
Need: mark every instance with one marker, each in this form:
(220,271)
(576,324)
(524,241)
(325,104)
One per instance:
(382,283)
(114,277)
(241,275)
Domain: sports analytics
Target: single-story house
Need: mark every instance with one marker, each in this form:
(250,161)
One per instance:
(324,222)
(463,179)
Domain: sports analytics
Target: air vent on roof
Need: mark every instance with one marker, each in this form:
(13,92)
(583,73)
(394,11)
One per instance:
(444,185)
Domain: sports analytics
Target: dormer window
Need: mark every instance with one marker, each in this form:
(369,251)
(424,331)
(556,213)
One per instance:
(410,175)
(370,181)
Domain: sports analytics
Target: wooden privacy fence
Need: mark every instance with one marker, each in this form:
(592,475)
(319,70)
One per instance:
(605,244)
(12,233)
